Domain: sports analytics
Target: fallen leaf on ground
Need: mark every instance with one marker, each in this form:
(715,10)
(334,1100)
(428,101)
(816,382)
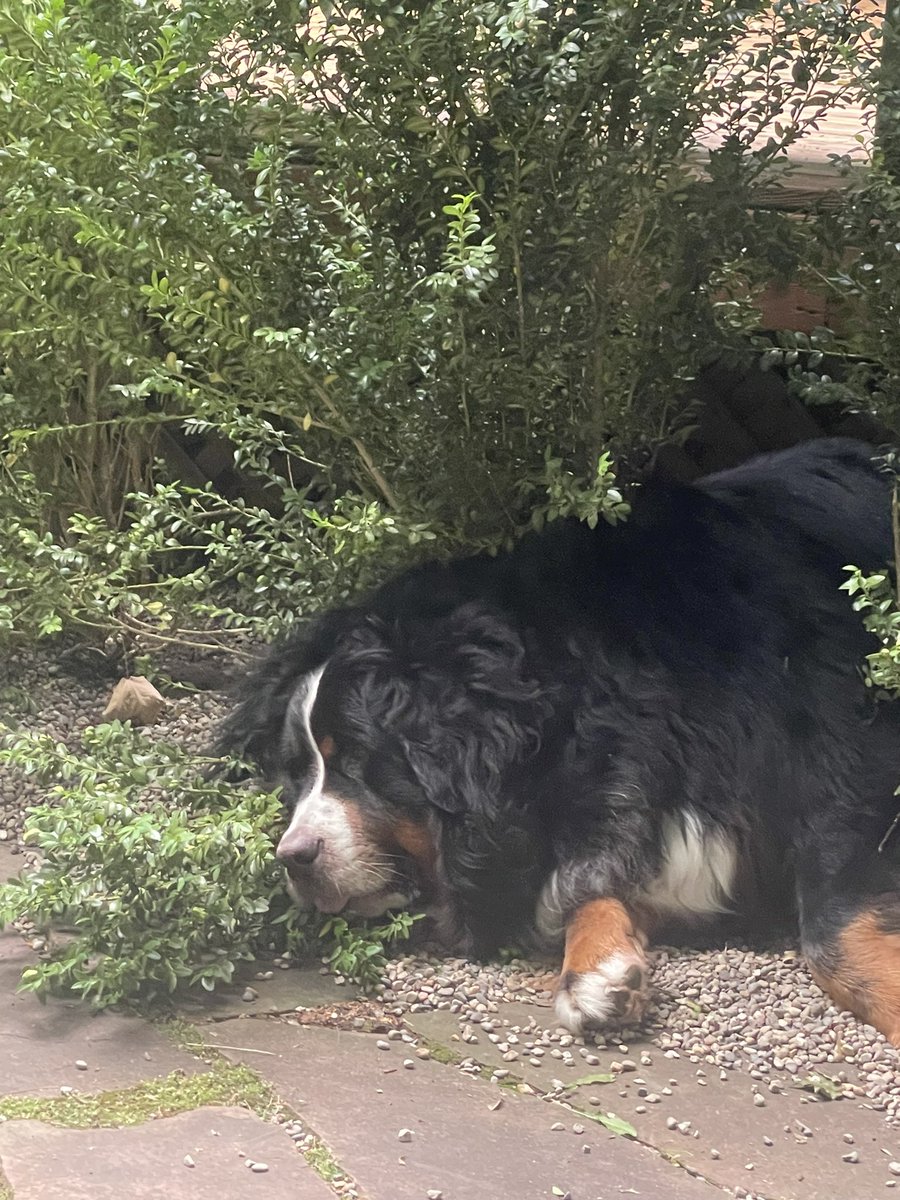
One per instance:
(613,1123)
(585,1080)
(821,1085)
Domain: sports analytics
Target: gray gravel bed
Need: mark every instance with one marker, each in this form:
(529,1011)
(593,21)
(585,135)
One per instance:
(735,1009)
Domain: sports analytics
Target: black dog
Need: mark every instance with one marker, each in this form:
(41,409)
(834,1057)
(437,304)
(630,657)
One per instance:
(605,730)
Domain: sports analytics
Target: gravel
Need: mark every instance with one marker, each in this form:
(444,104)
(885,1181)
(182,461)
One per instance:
(725,1009)
(729,1009)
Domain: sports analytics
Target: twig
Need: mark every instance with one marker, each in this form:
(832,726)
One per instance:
(219,1046)
(890,829)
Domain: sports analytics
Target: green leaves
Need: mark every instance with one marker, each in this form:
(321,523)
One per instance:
(358,953)
(821,1085)
(166,877)
(874,597)
(613,1123)
(411,270)
(586,1080)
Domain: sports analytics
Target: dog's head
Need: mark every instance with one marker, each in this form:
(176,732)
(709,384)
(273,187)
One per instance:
(402,747)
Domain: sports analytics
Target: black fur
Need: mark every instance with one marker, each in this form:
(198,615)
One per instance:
(553,706)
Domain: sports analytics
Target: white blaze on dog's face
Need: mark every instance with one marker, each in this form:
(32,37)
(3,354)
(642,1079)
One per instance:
(337,852)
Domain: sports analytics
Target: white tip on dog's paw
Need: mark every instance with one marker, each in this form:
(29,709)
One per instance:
(615,992)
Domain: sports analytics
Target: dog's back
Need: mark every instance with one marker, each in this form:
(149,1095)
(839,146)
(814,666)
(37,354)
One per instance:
(830,492)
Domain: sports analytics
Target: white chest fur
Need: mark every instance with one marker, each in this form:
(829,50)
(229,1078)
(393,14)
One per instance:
(698,869)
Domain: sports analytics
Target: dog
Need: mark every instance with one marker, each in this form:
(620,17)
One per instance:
(604,732)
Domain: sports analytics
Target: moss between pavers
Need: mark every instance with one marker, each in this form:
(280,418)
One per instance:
(222,1084)
(5,1190)
(514,1083)
(322,1162)
(448,1057)
(188,1037)
(442,1054)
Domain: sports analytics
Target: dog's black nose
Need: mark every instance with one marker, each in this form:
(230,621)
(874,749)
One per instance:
(300,846)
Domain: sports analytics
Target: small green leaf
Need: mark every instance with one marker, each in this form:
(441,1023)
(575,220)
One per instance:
(585,1080)
(613,1123)
(821,1085)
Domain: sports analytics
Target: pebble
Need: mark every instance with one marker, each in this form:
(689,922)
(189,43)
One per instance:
(409,1064)
(434,1194)
(405,1135)
(557,1127)
(852,1157)
(894,1168)
(188,1161)
(259,1168)
(249,994)
(80,1064)
(382,1045)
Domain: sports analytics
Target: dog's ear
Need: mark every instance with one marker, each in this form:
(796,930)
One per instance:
(253,729)
(479,713)
(480,724)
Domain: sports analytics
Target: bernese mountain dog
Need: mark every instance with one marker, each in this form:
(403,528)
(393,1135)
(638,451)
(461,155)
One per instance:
(605,731)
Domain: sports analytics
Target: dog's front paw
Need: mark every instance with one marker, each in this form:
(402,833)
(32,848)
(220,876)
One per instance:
(614,992)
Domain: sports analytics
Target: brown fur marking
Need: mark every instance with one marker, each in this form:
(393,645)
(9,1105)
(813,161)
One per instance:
(327,747)
(598,930)
(416,840)
(866,976)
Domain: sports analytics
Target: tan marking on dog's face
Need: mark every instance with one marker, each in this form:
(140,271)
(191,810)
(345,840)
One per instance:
(415,839)
(597,931)
(866,976)
(327,747)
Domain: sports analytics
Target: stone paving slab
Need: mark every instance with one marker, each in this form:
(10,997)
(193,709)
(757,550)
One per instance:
(42,1162)
(722,1113)
(357,1098)
(804,1161)
(40,1043)
(284,991)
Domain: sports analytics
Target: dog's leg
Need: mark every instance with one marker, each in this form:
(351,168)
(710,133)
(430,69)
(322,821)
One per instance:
(605,969)
(850,919)
(855,958)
